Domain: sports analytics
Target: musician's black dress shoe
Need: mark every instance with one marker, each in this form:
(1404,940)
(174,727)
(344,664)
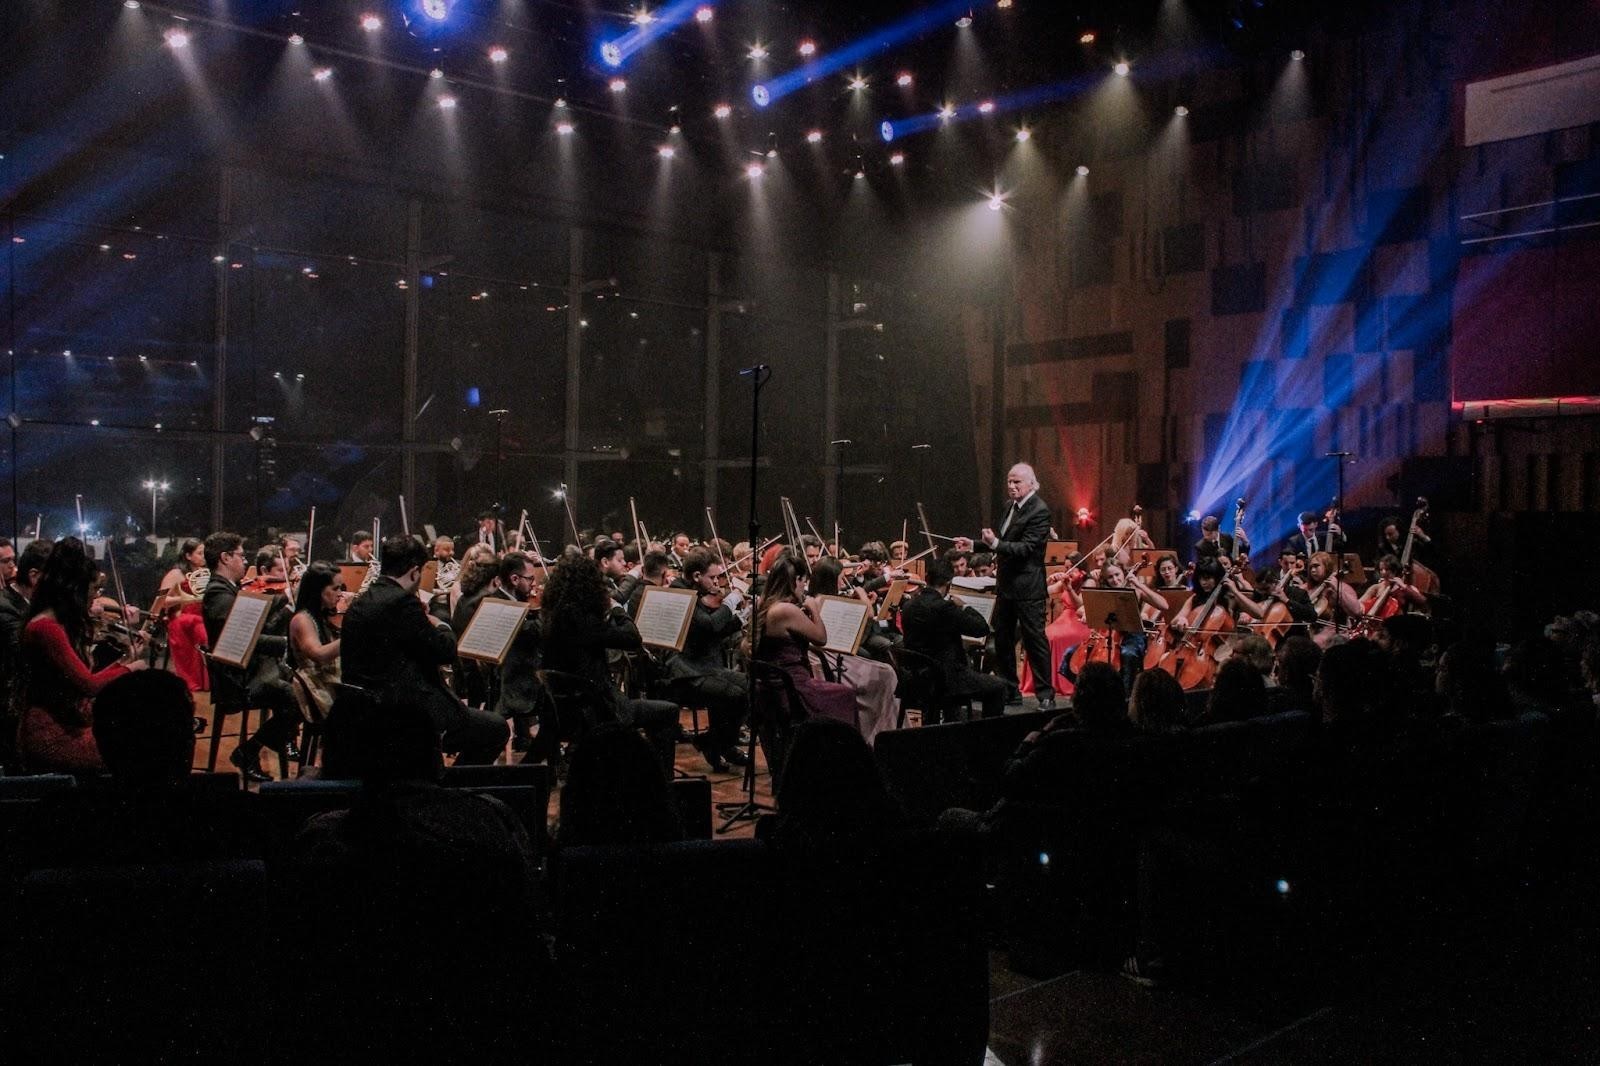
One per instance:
(291,751)
(1047,705)
(249,764)
(736,757)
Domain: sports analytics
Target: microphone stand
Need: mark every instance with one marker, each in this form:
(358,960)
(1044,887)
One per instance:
(749,809)
(1338,558)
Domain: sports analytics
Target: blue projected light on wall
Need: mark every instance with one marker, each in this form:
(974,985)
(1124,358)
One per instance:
(618,50)
(870,45)
(474,397)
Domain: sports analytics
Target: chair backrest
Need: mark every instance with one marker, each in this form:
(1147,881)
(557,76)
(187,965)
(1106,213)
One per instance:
(693,797)
(32,786)
(288,805)
(778,709)
(931,769)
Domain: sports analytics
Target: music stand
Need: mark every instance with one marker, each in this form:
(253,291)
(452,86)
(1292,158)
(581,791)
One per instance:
(1113,610)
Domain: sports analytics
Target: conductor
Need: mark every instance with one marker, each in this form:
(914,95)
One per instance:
(1020,589)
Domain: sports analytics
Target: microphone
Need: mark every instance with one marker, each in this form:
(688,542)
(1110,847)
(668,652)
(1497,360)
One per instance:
(758,368)
(841,442)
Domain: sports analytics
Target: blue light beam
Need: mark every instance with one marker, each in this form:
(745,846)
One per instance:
(617,51)
(880,41)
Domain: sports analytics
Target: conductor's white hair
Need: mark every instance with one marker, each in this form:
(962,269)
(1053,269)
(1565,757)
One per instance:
(1027,472)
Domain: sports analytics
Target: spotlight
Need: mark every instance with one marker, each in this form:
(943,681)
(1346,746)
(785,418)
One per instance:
(176,38)
(218,259)
(754,170)
(371,23)
(986,108)
(564,128)
(947,112)
(1084,516)
(1122,68)
(1181,111)
(1192,518)
(437,10)
(675,129)
(299,377)
(808,48)
(611,54)
(560,103)
(1002,4)
(105,247)
(1083,171)
(722,111)
(1297,55)
(814,137)
(96,421)
(904,79)
(322,74)
(1086,37)
(447,103)
(435,73)
(666,151)
(886,130)
(757,51)
(618,85)
(643,17)
(497,54)
(858,83)
(295,38)
(898,159)
(996,202)
(761,96)
(860,174)
(131,5)
(772,153)
(963,22)
(704,14)
(1024,134)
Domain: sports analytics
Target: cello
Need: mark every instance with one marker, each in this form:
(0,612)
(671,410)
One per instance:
(1192,658)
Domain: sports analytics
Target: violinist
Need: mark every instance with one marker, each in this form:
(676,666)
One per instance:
(654,572)
(1067,630)
(812,547)
(608,557)
(261,684)
(1307,540)
(899,551)
(14,600)
(870,674)
(186,628)
(292,563)
(698,669)
(272,574)
(1391,594)
(1114,575)
(313,645)
(960,563)
(516,693)
(55,687)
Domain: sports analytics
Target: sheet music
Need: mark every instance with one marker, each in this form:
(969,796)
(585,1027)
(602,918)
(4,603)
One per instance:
(237,641)
(664,614)
(845,620)
(974,584)
(984,605)
(494,626)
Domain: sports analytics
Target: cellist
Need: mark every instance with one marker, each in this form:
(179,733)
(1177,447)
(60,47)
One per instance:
(1208,574)
(1391,594)
(1335,601)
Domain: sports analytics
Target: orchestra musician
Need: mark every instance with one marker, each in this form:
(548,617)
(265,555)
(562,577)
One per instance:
(1208,574)
(262,683)
(873,679)
(1115,575)
(444,553)
(1018,546)
(1307,540)
(654,572)
(292,563)
(313,644)
(1215,543)
(488,533)
(514,686)
(934,625)
(1332,597)
(608,557)
(698,668)
(362,550)
(1391,588)
(184,584)
(1392,540)
(390,644)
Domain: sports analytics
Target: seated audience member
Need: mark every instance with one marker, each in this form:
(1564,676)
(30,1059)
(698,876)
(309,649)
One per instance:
(615,793)
(1157,703)
(1295,669)
(1470,691)
(1257,653)
(149,812)
(1535,676)
(832,797)
(1238,694)
(1099,703)
(1589,665)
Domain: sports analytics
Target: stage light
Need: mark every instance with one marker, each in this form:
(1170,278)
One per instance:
(1024,134)
(1002,4)
(1086,37)
(564,128)
(437,10)
(105,247)
(611,54)
(1283,887)
(297,377)
(986,108)
(886,130)
(808,48)
(904,79)
(131,5)
(435,73)
(371,23)
(144,358)
(898,159)
(758,51)
(295,38)
(761,96)
(722,111)
(858,83)
(814,137)
(754,170)
(860,174)
(1192,518)
(219,259)
(963,22)
(1084,517)
(618,85)
(176,38)
(96,421)
(996,201)
(643,17)
(1083,171)
(447,103)
(1044,858)
(704,14)
(1181,111)
(666,151)
(560,102)
(675,129)
(947,112)
(498,54)
(322,74)
(1297,55)
(772,153)
(1122,68)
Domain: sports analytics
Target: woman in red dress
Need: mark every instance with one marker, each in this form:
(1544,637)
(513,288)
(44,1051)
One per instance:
(1065,633)
(55,687)
(186,628)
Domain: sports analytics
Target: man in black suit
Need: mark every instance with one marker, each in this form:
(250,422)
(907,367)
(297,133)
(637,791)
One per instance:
(263,682)
(934,625)
(1307,541)
(1019,586)
(1214,543)
(699,672)
(389,642)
